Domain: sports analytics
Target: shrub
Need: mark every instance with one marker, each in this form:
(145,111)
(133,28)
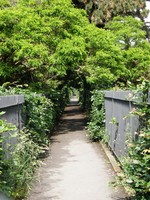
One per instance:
(136,167)
(39,117)
(136,164)
(18,168)
(96,126)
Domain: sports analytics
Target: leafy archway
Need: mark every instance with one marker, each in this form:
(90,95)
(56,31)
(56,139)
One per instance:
(49,44)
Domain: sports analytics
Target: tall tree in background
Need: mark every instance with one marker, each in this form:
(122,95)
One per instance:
(101,11)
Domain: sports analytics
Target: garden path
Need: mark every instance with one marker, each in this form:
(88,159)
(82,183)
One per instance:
(75,169)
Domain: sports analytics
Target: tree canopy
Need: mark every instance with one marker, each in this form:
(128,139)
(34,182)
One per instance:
(47,44)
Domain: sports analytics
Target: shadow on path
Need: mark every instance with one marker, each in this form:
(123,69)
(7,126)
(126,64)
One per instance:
(76,169)
(73,119)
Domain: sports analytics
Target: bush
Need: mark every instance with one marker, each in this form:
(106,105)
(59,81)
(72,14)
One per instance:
(136,164)
(39,117)
(136,167)
(39,114)
(17,170)
(96,126)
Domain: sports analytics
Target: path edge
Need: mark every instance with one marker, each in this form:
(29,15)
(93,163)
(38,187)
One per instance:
(115,164)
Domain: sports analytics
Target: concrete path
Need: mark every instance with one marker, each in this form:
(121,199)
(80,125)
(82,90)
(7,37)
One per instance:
(76,169)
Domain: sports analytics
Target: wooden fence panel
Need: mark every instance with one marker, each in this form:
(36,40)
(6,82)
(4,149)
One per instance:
(12,106)
(120,126)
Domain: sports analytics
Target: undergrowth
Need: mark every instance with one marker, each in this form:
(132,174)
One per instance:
(96,125)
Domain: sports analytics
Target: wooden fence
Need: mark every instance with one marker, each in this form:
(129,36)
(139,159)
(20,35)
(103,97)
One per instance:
(120,125)
(12,106)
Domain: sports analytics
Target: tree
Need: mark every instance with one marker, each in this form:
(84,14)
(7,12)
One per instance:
(128,31)
(39,41)
(135,48)
(104,63)
(48,44)
(101,11)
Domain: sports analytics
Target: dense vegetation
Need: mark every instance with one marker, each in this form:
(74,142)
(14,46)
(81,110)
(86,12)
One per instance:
(18,165)
(96,126)
(50,46)
(135,165)
(19,162)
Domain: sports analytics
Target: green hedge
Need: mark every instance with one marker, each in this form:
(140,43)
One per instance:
(40,115)
(96,125)
(17,171)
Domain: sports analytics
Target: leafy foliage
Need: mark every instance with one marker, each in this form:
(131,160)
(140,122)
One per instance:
(4,3)
(18,169)
(49,44)
(136,165)
(39,114)
(40,42)
(105,62)
(135,49)
(128,31)
(96,126)
(137,64)
(4,127)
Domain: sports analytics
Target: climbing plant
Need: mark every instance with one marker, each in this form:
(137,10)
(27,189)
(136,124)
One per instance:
(4,127)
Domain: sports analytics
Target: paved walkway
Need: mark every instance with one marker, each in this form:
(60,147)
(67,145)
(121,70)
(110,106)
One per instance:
(76,169)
